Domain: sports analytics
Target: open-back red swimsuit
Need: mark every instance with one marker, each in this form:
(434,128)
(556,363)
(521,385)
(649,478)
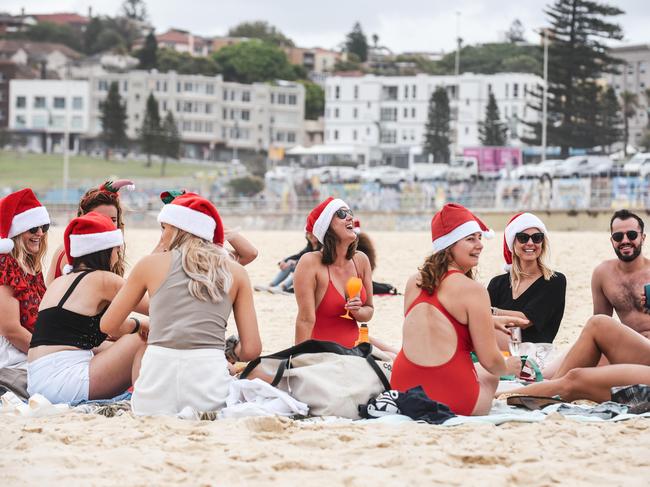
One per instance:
(57,270)
(329,325)
(453,383)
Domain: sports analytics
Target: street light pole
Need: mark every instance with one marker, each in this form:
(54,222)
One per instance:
(545,95)
(458,42)
(66,136)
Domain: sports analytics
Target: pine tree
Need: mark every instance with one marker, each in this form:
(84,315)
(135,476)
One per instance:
(436,136)
(492,132)
(577,58)
(629,105)
(113,119)
(357,43)
(610,120)
(148,55)
(171,140)
(150,139)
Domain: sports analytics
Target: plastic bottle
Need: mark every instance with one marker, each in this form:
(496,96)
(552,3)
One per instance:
(363,335)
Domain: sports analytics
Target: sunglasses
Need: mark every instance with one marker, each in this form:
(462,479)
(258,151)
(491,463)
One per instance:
(630,234)
(523,238)
(342,213)
(45,228)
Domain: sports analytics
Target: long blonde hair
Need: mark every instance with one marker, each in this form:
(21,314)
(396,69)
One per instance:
(29,263)
(434,268)
(516,272)
(205,264)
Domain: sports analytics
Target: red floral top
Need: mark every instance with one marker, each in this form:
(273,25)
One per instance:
(28,289)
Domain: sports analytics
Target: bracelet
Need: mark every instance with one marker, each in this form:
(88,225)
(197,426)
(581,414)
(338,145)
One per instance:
(494,310)
(229,350)
(136,329)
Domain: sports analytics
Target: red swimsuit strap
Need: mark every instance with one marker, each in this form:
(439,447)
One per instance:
(432,299)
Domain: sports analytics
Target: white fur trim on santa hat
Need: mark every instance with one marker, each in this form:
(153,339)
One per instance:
(94,242)
(322,223)
(6,245)
(34,217)
(521,223)
(458,233)
(191,221)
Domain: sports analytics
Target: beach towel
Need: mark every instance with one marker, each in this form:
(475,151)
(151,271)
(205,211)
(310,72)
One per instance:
(14,380)
(331,379)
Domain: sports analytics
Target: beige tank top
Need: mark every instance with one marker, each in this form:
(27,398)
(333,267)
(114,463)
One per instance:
(179,320)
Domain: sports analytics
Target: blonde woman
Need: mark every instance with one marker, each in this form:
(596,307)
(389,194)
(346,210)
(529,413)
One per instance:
(194,285)
(24,223)
(530,289)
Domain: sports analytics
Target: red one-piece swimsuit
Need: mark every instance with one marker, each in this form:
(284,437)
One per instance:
(329,325)
(453,383)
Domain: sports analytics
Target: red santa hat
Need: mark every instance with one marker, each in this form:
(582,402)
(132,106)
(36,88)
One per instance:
(357,226)
(90,233)
(518,223)
(453,223)
(319,219)
(19,212)
(195,215)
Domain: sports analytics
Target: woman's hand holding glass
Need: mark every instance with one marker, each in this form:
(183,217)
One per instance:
(352,293)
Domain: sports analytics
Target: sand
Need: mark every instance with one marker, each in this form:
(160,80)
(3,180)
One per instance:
(76,449)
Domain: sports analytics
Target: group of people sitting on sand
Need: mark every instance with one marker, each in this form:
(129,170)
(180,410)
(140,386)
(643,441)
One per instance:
(77,336)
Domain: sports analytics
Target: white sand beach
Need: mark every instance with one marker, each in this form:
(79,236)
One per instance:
(78,449)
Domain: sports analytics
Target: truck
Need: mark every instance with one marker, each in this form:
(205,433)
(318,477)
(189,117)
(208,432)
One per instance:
(492,159)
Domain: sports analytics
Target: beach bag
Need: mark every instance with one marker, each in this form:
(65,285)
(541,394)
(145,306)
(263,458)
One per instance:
(331,379)
(381,288)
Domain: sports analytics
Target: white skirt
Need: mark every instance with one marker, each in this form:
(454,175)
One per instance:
(172,379)
(10,356)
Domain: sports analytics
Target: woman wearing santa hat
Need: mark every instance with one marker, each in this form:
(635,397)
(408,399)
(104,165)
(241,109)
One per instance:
(448,316)
(320,278)
(24,223)
(66,364)
(529,289)
(104,199)
(194,286)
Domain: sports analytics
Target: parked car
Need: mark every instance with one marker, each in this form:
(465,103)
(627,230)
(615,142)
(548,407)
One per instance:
(387,175)
(284,173)
(429,172)
(336,174)
(578,166)
(639,165)
(544,170)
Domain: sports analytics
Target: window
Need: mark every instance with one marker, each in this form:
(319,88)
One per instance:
(466,130)
(279,136)
(77,103)
(406,112)
(232,95)
(208,108)
(337,93)
(187,106)
(198,126)
(165,86)
(336,113)
(137,97)
(187,125)
(57,122)
(76,123)
(466,102)
(355,113)
(388,114)
(245,115)
(489,88)
(354,135)
(225,114)
(327,113)
(642,67)
(59,102)
(125,86)
(336,135)
(39,121)
(246,96)
(356,92)
(291,136)
(413,112)
(102,85)
(389,92)
(282,99)
(209,89)
(292,99)
(507,91)
(272,97)
(179,87)
(209,127)
(388,136)
(406,91)
(21,102)
(188,86)
(20,121)
(515,90)
(225,95)
(39,102)
(415,91)
(367,130)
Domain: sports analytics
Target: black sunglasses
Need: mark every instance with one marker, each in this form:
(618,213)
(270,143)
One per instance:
(630,234)
(45,228)
(523,238)
(342,213)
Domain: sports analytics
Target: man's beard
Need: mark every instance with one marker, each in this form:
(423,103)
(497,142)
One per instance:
(628,258)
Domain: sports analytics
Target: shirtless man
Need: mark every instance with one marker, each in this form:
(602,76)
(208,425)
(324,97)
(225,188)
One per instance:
(617,284)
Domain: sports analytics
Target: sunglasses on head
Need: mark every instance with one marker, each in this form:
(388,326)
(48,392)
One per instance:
(342,213)
(523,238)
(45,228)
(630,234)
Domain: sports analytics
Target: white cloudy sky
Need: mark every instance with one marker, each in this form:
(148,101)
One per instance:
(402,25)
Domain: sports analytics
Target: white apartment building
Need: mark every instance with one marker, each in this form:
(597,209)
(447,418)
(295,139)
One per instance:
(210,113)
(42,110)
(634,77)
(388,115)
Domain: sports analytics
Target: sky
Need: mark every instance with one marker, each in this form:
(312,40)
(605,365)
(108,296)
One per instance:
(402,25)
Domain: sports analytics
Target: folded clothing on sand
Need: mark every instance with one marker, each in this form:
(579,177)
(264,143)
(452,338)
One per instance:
(413,403)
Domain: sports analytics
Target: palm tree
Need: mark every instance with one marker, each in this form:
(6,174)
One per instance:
(629,104)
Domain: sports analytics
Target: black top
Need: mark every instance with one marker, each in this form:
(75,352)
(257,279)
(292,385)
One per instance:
(60,326)
(297,256)
(542,303)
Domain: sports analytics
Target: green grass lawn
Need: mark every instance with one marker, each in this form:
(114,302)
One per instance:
(44,171)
